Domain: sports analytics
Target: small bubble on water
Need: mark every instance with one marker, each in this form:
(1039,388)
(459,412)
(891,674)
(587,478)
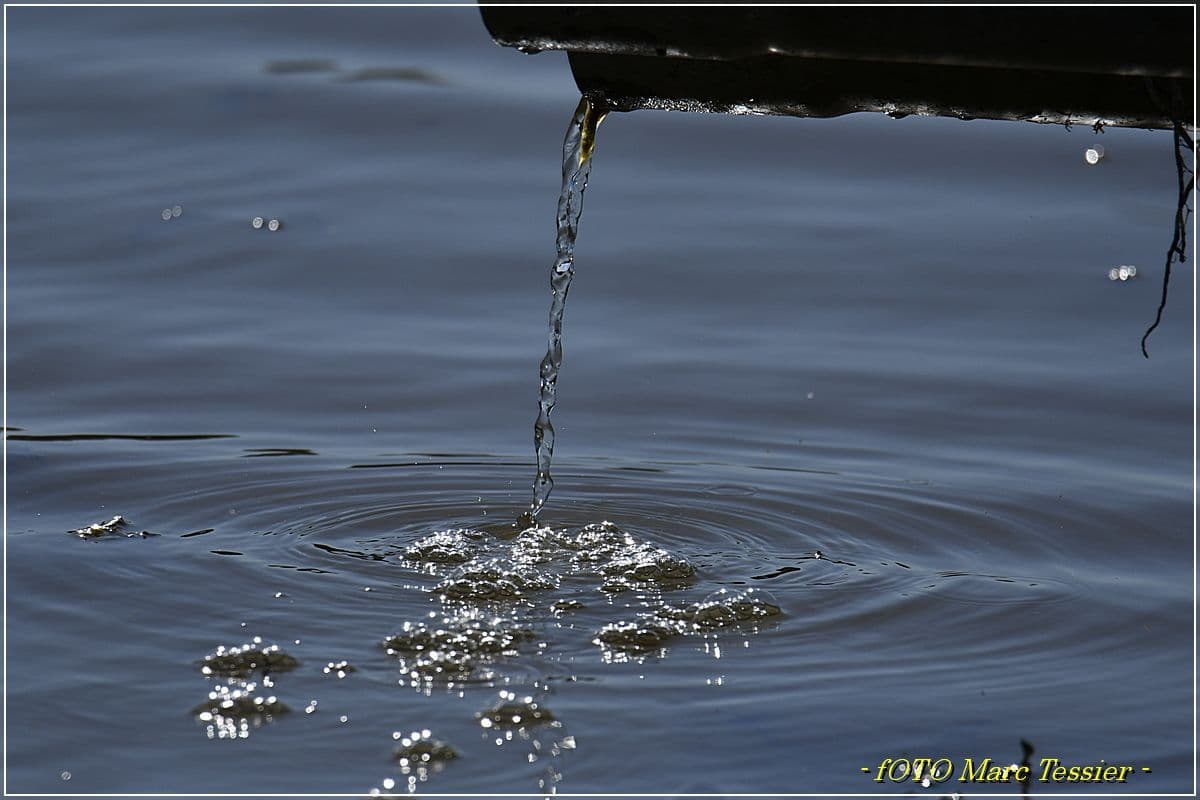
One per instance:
(810,395)
(389,784)
(66,776)
(1094,154)
(176,211)
(343,718)
(166,214)
(256,223)
(274,225)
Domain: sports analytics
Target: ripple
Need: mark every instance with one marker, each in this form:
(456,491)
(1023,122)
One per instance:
(655,571)
(987,590)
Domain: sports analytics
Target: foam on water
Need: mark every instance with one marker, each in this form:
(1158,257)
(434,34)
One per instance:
(241,661)
(458,648)
(232,710)
(446,547)
(420,753)
(652,631)
(117,527)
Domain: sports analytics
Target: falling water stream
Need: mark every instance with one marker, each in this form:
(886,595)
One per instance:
(578,145)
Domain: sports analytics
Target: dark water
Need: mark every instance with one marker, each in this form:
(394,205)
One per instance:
(892,343)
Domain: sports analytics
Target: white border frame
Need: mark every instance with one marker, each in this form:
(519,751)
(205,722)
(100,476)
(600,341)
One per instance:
(1009,795)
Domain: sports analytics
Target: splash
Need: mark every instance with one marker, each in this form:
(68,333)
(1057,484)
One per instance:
(578,145)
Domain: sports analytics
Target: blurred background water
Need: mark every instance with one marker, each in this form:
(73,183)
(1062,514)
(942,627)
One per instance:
(892,342)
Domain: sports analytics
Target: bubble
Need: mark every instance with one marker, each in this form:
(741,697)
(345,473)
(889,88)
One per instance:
(66,776)
(231,709)
(456,546)
(651,632)
(508,713)
(274,225)
(421,755)
(496,579)
(241,661)
(1094,154)
(176,211)
(339,668)
(455,649)
(166,214)
(256,223)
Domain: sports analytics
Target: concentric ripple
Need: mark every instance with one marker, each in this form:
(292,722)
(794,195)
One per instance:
(412,573)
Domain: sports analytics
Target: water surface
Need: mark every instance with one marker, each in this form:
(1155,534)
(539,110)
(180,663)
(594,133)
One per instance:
(873,369)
